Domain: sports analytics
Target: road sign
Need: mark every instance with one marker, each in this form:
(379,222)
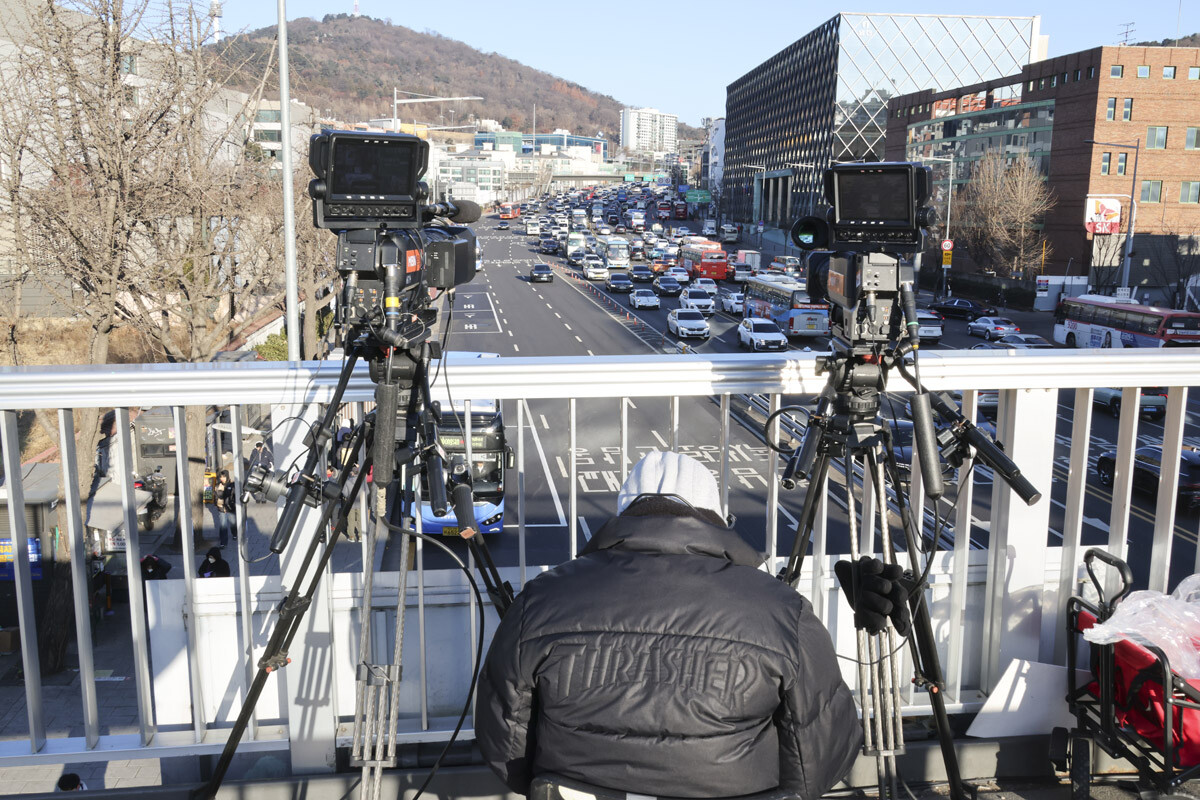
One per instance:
(946,256)
(947,244)
(630,178)
(760,227)
(698,196)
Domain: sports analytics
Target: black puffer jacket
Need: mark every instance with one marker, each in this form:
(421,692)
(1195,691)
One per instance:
(662,662)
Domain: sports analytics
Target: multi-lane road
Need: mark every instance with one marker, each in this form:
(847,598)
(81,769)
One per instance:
(502,312)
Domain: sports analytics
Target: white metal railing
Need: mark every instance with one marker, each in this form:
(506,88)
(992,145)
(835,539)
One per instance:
(193,645)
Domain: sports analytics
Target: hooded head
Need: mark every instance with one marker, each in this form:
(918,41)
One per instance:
(214,553)
(667,473)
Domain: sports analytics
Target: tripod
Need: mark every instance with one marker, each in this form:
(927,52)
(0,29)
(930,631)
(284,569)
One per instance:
(846,426)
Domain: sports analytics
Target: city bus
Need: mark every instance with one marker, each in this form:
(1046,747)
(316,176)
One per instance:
(785,302)
(1098,321)
(509,211)
(664,209)
(614,252)
(681,210)
(704,259)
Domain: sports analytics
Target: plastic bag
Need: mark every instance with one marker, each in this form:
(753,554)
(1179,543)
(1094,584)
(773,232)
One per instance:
(1169,622)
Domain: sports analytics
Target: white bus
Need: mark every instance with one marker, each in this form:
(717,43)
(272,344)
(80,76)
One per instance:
(576,243)
(1098,321)
(614,252)
(785,302)
(533,227)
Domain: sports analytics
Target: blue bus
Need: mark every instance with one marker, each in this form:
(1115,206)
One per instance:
(785,302)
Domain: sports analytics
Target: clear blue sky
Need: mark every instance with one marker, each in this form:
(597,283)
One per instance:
(679,57)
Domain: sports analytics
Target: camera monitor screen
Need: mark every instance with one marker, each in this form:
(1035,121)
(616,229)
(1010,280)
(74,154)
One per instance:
(879,196)
(371,168)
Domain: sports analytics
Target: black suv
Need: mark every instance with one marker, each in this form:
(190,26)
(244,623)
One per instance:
(548,246)
(541,272)
(1147,465)
(618,282)
(666,286)
(962,308)
(641,274)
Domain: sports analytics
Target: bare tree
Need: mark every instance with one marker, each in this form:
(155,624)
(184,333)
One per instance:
(1174,262)
(1000,209)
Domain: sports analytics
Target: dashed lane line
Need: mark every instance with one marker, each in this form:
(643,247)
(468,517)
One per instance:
(545,424)
(590,353)
(567,326)
(587,532)
(579,340)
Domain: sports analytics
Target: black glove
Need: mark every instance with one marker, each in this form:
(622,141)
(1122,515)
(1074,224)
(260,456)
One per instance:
(875,592)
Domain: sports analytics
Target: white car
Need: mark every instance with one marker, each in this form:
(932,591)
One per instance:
(605,230)
(643,298)
(929,326)
(757,333)
(1025,341)
(680,274)
(992,327)
(697,300)
(684,322)
(708,285)
(740,272)
(732,302)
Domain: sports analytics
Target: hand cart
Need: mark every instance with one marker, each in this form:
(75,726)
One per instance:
(1124,707)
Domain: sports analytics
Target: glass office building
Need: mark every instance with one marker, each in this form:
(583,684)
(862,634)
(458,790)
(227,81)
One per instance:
(824,98)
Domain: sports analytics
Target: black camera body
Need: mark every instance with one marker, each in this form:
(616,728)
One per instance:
(877,212)
(367,181)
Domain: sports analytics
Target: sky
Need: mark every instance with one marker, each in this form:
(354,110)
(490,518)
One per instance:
(679,57)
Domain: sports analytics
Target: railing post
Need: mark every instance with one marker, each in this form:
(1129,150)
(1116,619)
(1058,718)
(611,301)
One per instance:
(1017,621)
(308,681)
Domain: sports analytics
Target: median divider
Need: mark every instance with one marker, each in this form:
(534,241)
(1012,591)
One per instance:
(632,323)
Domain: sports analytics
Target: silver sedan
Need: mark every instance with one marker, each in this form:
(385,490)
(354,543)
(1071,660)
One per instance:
(992,327)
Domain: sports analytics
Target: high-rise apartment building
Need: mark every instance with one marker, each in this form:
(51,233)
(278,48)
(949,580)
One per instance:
(648,130)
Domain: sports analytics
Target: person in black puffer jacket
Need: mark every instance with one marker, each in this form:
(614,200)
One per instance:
(662,661)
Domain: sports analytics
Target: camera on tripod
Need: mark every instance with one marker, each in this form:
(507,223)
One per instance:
(877,213)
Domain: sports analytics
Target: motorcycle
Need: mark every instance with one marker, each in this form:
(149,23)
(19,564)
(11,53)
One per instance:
(156,484)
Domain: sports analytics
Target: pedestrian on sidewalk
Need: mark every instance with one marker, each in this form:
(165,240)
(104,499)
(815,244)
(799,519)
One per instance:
(70,782)
(224,499)
(214,565)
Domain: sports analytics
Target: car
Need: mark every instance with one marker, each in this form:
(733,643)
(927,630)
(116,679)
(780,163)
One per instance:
(641,274)
(739,272)
(685,323)
(643,298)
(709,229)
(576,258)
(548,246)
(595,269)
(731,302)
(962,308)
(929,326)
(785,265)
(503,226)
(698,300)
(1152,403)
(682,231)
(992,327)
(592,258)
(541,273)
(637,251)
(1147,466)
(605,230)
(680,274)
(620,228)
(1025,341)
(992,346)
(757,333)
(667,286)
(707,284)
(618,282)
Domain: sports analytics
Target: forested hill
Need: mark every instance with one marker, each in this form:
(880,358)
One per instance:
(1186,41)
(346,67)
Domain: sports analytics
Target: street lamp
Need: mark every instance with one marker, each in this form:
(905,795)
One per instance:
(1136,147)
(949,197)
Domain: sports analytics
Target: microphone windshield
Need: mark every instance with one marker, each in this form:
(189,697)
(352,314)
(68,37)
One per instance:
(467,212)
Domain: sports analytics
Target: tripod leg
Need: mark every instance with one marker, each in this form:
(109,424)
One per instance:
(928,668)
(808,517)
(891,703)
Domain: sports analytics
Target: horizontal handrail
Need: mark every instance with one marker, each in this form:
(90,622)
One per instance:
(148,385)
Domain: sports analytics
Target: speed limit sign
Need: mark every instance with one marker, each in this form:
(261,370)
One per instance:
(947,244)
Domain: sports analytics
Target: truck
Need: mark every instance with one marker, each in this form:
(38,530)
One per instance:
(729,234)
(751,258)
(533,227)
(709,228)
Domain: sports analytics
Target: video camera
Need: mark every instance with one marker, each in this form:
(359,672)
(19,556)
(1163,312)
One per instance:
(876,213)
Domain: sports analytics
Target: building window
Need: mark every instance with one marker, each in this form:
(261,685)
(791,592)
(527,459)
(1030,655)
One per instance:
(1189,192)
(1156,137)
(1091,73)
(1053,81)
(1116,71)
(1193,139)
(1194,73)
(1111,113)
(1078,75)
(1030,86)
(1064,77)
(1127,113)
(129,64)
(1121,163)
(1143,71)
(1169,73)
(268,136)
(131,95)
(268,115)
(1105,158)
(1041,83)
(1151,191)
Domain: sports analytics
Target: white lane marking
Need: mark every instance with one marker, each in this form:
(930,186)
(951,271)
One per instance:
(587,532)
(631,405)
(505,322)
(568,327)
(549,306)
(562,518)
(515,348)
(561,466)
(579,340)
(545,424)
(661,440)
(558,315)
(510,333)
(495,316)
(590,353)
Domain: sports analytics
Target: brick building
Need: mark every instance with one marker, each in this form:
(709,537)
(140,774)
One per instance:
(1147,98)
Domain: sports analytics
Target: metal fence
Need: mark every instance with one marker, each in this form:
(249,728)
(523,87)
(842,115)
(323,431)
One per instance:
(194,642)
